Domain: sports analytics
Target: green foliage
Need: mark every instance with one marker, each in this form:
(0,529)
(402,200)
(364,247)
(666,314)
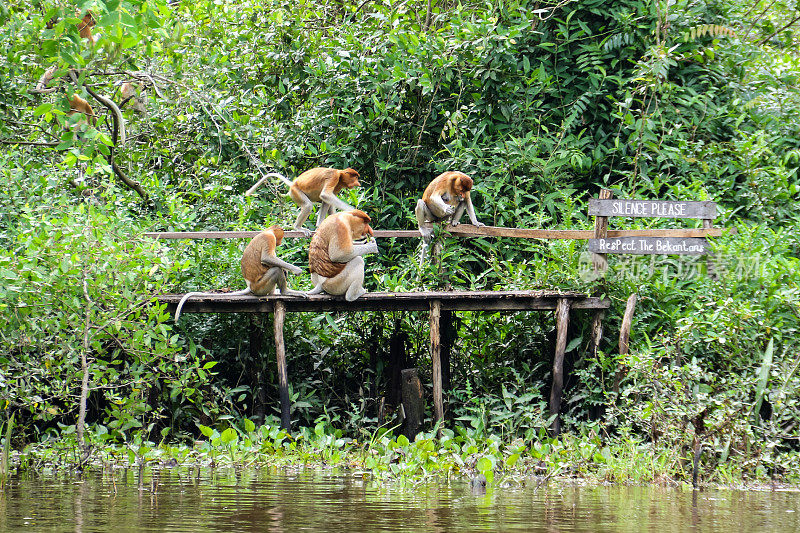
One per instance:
(542,104)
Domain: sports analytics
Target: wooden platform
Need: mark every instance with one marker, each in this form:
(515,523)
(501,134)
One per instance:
(434,302)
(388,301)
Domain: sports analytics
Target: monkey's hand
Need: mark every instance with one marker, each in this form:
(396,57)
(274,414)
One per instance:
(449,210)
(372,247)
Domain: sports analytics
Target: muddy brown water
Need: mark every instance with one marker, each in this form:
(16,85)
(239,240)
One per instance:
(196,500)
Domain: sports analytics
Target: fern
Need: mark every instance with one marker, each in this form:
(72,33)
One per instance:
(617,41)
(710,30)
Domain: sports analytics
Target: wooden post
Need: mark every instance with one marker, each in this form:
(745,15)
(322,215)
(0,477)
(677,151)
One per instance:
(256,367)
(448,332)
(283,379)
(413,403)
(599,261)
(711,266)
(436,362)
(562,322)
(597,332)
(624,337)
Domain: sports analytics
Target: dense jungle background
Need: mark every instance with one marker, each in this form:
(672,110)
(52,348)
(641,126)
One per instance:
(542,103)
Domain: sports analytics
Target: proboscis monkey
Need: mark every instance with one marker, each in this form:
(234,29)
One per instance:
(85,27)
(128,92)
(320,184)
(79,105)
(446,197)
(261,268)
(335,259)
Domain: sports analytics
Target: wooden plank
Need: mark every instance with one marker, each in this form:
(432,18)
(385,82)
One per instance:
(621,207)
(599,261)
(283,375)
(488,301)
(562,322)
(649,246)
(436,362)
(467,231)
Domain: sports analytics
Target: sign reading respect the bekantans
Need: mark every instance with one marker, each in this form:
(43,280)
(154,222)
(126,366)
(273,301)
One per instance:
(649,246)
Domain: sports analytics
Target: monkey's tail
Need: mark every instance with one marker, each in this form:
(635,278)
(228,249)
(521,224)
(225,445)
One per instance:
(281,177)
(188,295)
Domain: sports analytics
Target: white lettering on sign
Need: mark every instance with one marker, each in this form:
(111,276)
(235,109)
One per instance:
(648,245)
(647,209)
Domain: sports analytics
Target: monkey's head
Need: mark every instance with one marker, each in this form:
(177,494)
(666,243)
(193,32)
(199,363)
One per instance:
(359,224)
(349,178)
(278,232)
(462,184)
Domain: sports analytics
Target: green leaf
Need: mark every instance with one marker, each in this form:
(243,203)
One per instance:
(228,436)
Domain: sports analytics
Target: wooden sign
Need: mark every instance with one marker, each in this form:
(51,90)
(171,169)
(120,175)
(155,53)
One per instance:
(649,246)
(652,208)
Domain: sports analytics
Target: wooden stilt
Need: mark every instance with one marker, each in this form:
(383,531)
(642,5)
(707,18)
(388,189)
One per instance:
(436,346)
(413,403)
(624,336)
(448,332)
(256,366)
(562,322)
(283,379)
(597,332)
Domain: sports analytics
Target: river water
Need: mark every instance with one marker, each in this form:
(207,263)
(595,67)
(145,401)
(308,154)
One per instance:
(203,500)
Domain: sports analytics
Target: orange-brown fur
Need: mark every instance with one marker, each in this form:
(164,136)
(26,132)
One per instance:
(313,181)
(253,269)
(455,184)
(79,105)
(85,26)
(347,227)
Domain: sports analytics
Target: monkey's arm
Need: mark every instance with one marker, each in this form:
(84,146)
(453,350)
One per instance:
(344,254)
(271,260)
(438,207)
(326,195)
(471,211)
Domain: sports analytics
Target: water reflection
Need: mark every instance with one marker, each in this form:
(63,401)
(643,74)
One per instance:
(268,500)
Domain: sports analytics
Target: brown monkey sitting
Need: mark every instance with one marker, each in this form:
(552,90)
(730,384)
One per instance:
(261,268)
(335,260)
(319,184)
(446,197)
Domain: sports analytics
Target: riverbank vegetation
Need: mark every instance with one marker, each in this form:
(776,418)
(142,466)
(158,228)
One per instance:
(543,104)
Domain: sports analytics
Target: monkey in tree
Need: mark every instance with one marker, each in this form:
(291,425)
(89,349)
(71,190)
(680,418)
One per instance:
(334,257)
(85,27)
(128,92)
(445,198)
(319,184)
(78,105)
(261,268)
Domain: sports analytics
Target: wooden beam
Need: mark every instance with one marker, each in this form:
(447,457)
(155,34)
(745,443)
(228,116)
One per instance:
(436,362)
(466,230)
(283,378)
(562,322)
(489,301)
